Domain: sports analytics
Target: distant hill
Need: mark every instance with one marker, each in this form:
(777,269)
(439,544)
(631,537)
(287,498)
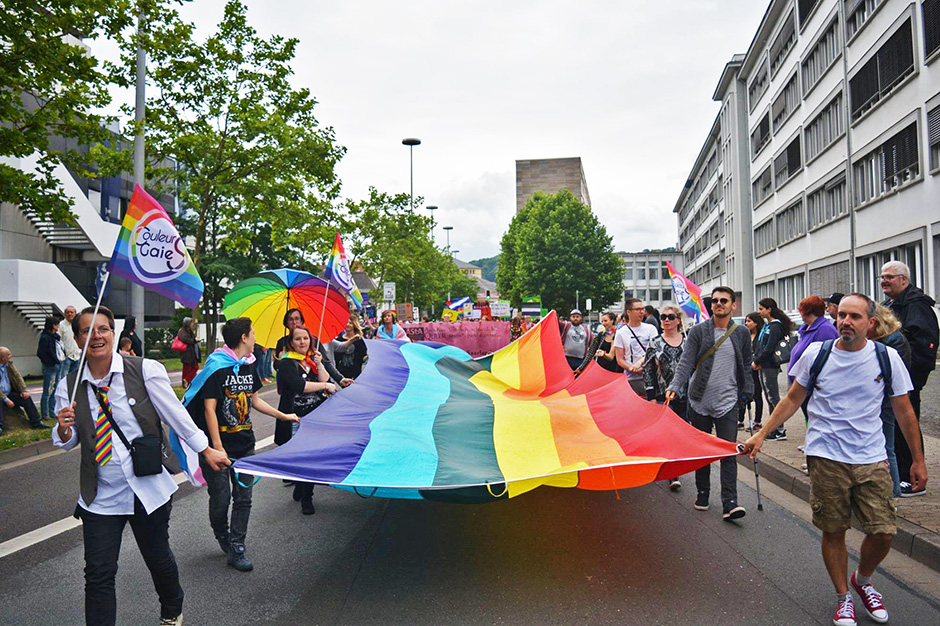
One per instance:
(489,267)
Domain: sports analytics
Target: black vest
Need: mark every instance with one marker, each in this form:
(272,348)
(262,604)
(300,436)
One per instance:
(143,410)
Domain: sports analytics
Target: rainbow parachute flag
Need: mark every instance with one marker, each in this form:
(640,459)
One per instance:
(337,270)
(424,420)
(150,252)
(688,295)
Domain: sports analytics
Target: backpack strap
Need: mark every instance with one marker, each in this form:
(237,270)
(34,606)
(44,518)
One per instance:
(817,366)
(884,362)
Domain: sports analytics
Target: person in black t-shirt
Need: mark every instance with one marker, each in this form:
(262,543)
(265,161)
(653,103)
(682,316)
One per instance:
(351,351)
(228,397)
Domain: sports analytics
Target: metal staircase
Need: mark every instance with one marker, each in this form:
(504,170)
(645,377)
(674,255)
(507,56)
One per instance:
(36,312)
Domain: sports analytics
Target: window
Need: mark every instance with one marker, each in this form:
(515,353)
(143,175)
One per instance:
(790,291)
(888,166)
(806,7)
(782,44)
(825,128)
(761,135)
(628,274)
(788,163)
(764,290)
(821,56)
(758,86)
(931,9)
(933,133)
(641,273)
(869,268)
(790,223)
(654,273)
(857,13)
(764,238)
(826,203)
(883,72)
(763,186)
(787,102)
(666,295)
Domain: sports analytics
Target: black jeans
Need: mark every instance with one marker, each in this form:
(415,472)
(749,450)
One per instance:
(102,535)
(901,449)
(224,486)
(28,406)
(726,428)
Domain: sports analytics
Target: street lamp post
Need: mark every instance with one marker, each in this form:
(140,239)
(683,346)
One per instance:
(447,230)
(411,142)
(453,254)
(432,208)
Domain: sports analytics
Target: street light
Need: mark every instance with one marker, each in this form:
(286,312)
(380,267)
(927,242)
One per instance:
(447,230)
(432,208)
(453,254)
(411,142)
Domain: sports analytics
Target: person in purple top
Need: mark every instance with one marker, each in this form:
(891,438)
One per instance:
(815,328)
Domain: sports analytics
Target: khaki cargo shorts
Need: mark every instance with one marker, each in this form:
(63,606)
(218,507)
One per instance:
(837,489)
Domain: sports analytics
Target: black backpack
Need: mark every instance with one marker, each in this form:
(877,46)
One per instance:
(884,362)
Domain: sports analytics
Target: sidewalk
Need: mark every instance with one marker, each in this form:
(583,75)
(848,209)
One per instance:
(919,518)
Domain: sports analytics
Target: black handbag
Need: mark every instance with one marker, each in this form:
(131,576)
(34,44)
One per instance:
(146,451)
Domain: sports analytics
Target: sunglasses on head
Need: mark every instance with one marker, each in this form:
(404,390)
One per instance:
(721,300)
(668,316)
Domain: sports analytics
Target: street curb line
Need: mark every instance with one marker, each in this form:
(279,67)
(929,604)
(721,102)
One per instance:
(912,540)
(34,448)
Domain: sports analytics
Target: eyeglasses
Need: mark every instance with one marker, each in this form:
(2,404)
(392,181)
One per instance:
(720,300)
(888,276)
(668,316)
(640,309)
(101,330)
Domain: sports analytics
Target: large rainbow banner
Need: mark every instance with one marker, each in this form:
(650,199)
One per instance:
(688,295)
(424,420)
(150,252)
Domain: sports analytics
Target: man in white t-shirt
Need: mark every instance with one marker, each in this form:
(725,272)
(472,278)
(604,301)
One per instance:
(630,344)
(845,450)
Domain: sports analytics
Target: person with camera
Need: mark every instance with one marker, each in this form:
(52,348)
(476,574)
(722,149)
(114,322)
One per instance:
(124,476)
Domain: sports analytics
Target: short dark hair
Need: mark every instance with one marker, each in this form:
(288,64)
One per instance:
(287,315)
(723,289)
(872,308)
(392,313)
(651,310)
(628,304)
(90,310)
(234,329)
(51,323)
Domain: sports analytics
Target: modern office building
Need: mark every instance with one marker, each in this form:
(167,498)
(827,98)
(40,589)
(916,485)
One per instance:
(645,277)
(550,176)
(833,123)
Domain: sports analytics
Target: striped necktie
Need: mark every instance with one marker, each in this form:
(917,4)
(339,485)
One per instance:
(102,427)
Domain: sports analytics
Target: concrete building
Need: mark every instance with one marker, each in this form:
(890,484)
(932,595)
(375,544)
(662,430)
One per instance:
(485,288)
(645,277)
(550,176)
(839,102)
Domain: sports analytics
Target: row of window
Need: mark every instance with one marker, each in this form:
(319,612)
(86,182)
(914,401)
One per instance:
(821,56)
(857,13)
(714,268)
(710,204)
(825,128)
(649,295)
(641,272)
(887,167)
(698,186)
(883,72)
(708,239)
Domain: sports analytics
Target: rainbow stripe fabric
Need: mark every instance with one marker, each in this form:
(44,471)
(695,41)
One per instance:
(103,430)
(424,420)
(688,295)
(150,252)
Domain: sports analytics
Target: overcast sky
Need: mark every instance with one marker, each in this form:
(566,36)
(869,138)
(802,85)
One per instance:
(624,85)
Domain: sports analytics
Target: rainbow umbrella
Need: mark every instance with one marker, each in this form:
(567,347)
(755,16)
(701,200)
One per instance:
(266,297)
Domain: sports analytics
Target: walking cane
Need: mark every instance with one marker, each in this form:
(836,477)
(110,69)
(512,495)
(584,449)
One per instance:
(750,426)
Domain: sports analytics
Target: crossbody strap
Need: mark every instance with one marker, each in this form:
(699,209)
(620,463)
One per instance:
(107,412)
(711,351)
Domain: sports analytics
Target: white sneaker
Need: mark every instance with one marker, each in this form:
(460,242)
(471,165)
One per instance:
(172,621)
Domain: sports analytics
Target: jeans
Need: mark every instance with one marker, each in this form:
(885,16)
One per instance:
(26,404)
(904,456)
(268,363)
(224,486)
(769,377)
(67,367)
(726,428)
(888,427)
(50,378)
(102,535)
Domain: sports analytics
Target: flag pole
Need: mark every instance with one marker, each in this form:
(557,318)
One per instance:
(326,295)
(94,316)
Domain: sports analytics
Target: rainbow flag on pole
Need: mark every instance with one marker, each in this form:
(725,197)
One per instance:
(688,295)
(150,252)
(337,271)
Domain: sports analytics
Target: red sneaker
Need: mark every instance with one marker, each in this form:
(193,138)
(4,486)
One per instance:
(845,613)
(871,600)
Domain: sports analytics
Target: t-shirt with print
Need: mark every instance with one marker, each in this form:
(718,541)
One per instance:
(845,408)
(634,350)
(233,393)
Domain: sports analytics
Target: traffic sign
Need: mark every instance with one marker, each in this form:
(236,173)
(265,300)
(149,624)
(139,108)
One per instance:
(389,291)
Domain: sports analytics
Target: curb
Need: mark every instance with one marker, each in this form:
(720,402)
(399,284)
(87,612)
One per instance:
(912,540)
(24,452)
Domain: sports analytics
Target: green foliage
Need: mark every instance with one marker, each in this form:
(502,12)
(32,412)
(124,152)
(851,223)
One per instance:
(488,265)
(554,247)
(50,88)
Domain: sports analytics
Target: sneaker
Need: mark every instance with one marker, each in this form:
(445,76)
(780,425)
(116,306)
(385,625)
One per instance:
(845,612)
(675,485)
(801,448)
(172,621)
(732,511)
(238,560)
(907,490)
(701,502)
(776,436)
(757,426)
(307,508)
(740,425)
(871,600)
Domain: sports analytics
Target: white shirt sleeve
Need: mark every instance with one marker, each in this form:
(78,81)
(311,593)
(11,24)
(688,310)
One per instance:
(900,378)
(62,401)
(170,409)
(620,342)
(800,370)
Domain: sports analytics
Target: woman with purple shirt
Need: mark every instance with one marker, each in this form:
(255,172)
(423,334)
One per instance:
(815,328)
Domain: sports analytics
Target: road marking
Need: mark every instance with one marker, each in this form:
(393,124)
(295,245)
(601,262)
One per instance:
(33,537)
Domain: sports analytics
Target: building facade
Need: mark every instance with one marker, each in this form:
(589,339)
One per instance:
(550,176)
(646,277)
(834,114)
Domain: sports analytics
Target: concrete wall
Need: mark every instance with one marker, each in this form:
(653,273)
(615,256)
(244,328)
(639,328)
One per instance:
(550,176)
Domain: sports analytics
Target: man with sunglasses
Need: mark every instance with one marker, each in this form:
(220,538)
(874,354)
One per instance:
(914,309)
(716,363)
(123,399)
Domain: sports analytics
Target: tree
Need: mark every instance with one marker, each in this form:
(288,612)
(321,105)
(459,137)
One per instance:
(393,244)
(555,247)
(244,149)
(50,88)
(488,266)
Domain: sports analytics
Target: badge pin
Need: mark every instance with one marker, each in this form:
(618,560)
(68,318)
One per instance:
(131,401)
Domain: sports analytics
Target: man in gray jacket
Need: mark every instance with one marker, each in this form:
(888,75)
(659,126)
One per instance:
(717,358)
